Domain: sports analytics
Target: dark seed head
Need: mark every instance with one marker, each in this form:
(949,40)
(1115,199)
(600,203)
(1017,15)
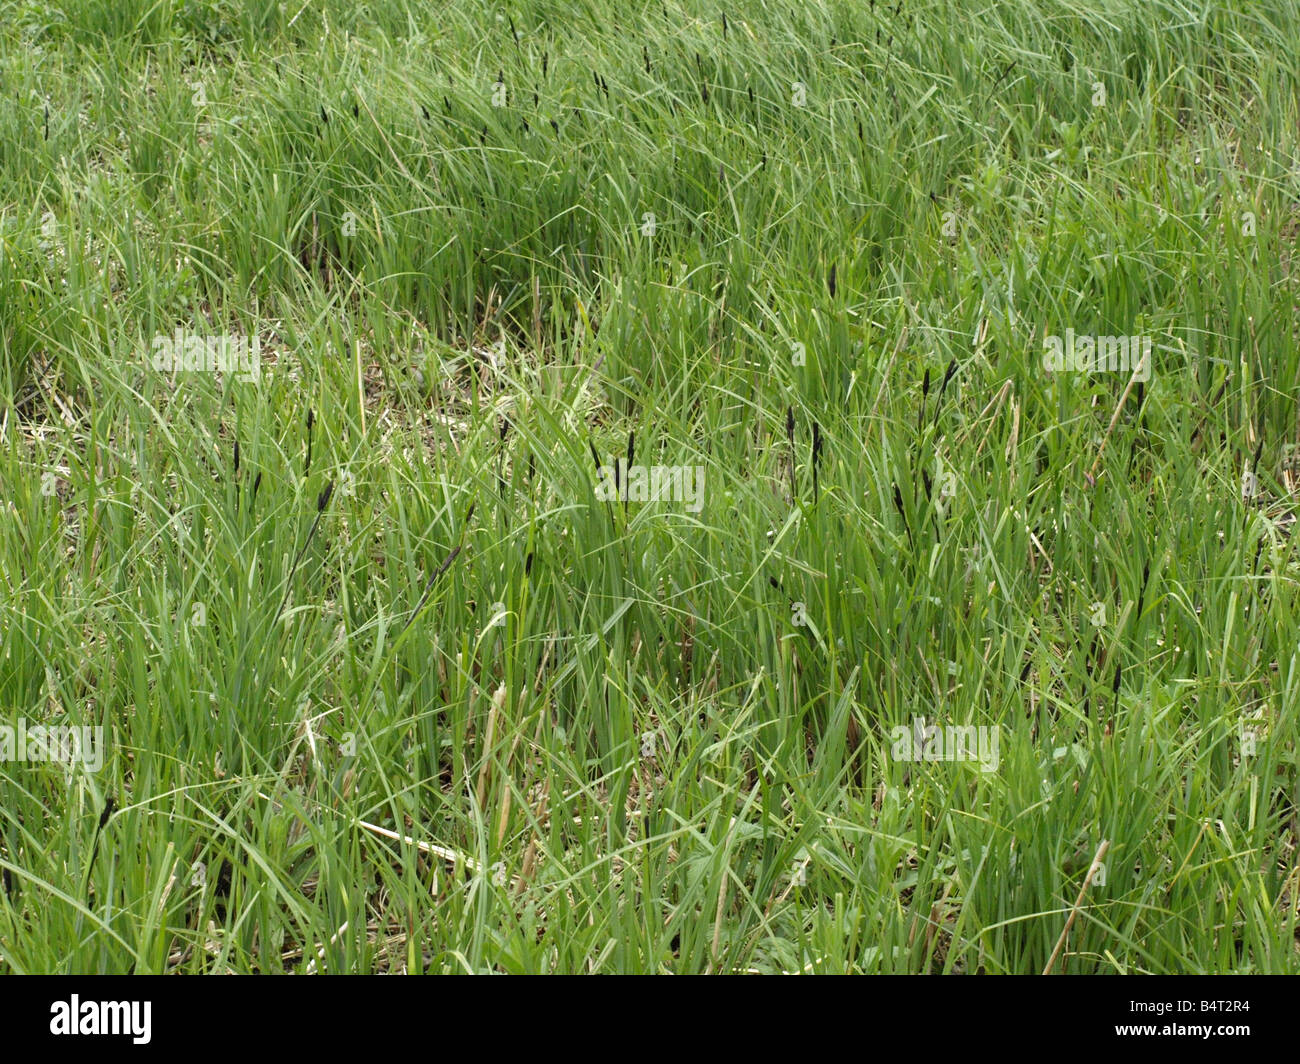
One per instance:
(322,500)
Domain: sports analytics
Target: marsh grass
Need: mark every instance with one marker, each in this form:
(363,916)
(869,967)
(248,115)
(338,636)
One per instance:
(498,725)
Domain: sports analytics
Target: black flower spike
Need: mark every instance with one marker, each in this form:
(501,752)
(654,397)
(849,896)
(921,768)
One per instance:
(830,281)
(356,113)
(594,456)
(631,447)
(311,420)
(898,505)
(429,586)
(948,375)
(789,424)
(424,111)
(236,458)
(447,104)
(724,25)
(528,564)
(750,90)
(323,116)
(257,483)
(645,52)
(546,57)
(323,499)
(925,383)
(816,457)
(109,803)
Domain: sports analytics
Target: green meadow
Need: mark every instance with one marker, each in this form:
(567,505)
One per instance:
(755,487)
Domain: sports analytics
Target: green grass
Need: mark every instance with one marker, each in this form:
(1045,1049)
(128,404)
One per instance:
(477,243)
